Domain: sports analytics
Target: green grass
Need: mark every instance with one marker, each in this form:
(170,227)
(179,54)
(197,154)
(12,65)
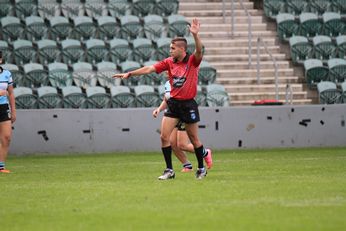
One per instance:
(281,189)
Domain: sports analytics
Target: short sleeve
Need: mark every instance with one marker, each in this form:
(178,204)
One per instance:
(161,66)
(9,78)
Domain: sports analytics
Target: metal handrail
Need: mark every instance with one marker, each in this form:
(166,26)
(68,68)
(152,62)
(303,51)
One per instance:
(261,42)
(249,31)
(289,94)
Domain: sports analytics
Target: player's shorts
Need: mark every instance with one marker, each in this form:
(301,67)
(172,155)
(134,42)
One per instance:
(185,110)
(5,113)
(180,126)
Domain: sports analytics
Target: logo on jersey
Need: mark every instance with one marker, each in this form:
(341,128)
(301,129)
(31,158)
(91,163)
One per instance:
(178,81)
(193,114)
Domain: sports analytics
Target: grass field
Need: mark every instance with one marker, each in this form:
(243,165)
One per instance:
(281,189)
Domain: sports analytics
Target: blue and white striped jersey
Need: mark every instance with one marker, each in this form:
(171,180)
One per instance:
(5,81)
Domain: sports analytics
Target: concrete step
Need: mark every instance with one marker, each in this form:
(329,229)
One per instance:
(267,95)
(253,72)
(245,65)
(253,80)
(250,102)
(227,34)
(205,1)
(262,88)
(185,6)
(227,20)
(244,57)
(227,27)
(239,50)
(218,13)
(239,42)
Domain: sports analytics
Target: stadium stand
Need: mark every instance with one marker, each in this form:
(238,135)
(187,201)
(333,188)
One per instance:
(59,76)
(48,97)
(121,97)
(146,96)
(25,98)
(73,97)
(97,97)
(328,93)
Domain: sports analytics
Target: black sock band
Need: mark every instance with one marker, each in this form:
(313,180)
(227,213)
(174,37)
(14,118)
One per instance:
(199,154)
(167,154)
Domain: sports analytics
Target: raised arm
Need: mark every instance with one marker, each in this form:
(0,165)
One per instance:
(194,29)
(140,71)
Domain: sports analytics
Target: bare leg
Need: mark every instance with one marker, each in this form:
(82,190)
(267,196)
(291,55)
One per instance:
(5,139)
(177,151)
(184,143)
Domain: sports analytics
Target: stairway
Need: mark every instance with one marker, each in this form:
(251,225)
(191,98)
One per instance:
(230,55)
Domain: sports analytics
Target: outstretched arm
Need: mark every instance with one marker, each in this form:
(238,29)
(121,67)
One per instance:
(162,107)
(140,71)
(194,29)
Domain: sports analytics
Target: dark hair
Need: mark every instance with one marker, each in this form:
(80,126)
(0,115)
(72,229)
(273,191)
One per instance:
(0,54)
(179,40)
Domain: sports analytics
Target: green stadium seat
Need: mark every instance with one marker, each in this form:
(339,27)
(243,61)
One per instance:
(118,8)
(72,8)
(83,75)
(146,96)
(35,75)
(324,48)
(217,96)
(131,27)
(191,45)
(119,50)
(177,26)
(36,28)
(96,51)
(6,51)
(143,7)
(339,6)
(73,97)
(59,75)
(273,7)
(341,46)
(72,51)
(166,7)
(25,98)
(300,48)
(130,66)
(97,97)
(154,78)
(296,7)
(328,93)
(333,25)
(154,27)
(95,8)
(310,25)
(60,28)
(17,74)
(201,98)
(319,6)
(104,73)
(23,52)
(108,27)
(11,28)
(337,70)
(48,9)
(122,97)
(162,48)
(343,90)
(207,73)
(25,8)
(83,28)
(6,8)
(286,26)
(143,50)
(48,97)
(48,51)
(315,72)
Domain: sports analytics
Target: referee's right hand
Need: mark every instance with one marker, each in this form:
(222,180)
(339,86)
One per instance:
(121,75)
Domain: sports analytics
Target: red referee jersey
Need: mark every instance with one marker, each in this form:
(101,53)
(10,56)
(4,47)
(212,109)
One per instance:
(183,76)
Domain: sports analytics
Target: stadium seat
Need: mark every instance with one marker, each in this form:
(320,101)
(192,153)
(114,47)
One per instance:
(341,46)
(17,74)
(48,97)
(328,93)
(118,8)
(146,96)
(131,27)
(337,70)
(217,96)
(96,51)
(319,6)
(48,51)
(35,28)
(300,48)
(104,73)
(200,98)
(343,96)
(310,25)
(35,75)
(161,90)
(6,51)
(25,98)
(119,50)
(339,6)
(296,7)
(273,7)
(11,28)
(83,75)
(48,9)
(72,51)
(73,97)
(83,28)
(154,78)
(166,7)
(333,25)
(130,66)
(177,26)
(95,8)
(143,7)
(60,28)
(286,26)
(6,8)
(162,48)
(324,48)
(122,97)
(107,27)
(97,97)
(25,8)
(315,72)
(207,73)
(191,45)
(72,8)
(59,75)
(23,52)
(143,50)
(154,27)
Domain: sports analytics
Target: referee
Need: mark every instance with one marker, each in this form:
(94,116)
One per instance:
(182,71)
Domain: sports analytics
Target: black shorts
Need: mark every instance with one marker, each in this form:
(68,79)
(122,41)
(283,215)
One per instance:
(5,113)
(180,126)
(185,110)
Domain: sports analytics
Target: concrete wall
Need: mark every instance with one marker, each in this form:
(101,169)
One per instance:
(112,130)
